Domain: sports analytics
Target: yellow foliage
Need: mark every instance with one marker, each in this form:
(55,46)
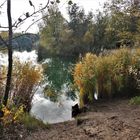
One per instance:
(78,74)
(81,97)
(11,116)
(88,37)
(26,77)
(25,80)
(2,80)
(107,75)
(4,34)
(18,113)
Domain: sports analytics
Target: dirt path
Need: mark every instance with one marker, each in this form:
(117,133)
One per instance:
(115,120)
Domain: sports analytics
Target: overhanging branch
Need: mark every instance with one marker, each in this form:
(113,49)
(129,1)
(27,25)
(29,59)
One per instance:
(17,23)
(3,3)
(34,23)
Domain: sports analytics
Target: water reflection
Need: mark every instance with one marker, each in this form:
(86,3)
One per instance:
(52,112)
(58,75)
(59,78)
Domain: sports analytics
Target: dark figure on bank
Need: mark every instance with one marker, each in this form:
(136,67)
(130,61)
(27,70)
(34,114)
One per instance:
(76,110)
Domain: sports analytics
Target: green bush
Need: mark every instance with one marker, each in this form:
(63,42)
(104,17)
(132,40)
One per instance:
(135,100)
(114,74)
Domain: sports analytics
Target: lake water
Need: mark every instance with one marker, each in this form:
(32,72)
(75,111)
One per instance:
(57,77)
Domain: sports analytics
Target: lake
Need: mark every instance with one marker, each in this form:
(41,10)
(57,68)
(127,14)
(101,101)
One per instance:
(58,78)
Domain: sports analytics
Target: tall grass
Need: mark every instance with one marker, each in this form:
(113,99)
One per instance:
(25,80)
(115,74)
(2,80)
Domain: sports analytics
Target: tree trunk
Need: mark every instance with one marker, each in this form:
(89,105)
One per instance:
(10,52)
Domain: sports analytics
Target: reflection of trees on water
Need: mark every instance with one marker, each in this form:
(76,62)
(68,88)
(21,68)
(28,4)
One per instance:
(59,78)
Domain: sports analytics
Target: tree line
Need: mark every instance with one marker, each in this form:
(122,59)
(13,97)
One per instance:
(117,25)
(20,42)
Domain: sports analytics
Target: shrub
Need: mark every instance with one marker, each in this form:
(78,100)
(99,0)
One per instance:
(25,80)
(11,115)
(16,115)
(115,74)
(135,100)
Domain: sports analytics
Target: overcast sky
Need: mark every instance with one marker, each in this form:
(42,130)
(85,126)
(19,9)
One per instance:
(19,7)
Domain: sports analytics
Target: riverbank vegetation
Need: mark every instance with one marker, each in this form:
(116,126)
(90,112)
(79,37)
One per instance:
(25,81)
(116,74)
(107,44)
(16,124)
(107,69)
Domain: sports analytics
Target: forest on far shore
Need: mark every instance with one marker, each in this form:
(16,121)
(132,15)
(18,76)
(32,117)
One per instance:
(117,25)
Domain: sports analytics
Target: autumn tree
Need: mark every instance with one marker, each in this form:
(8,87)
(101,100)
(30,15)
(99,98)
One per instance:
(10,27)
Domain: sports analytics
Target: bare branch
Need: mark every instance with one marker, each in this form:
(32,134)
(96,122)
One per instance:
(34,23)
(3,3)
(20,22)
(41,19)
(31,4)
(17,23)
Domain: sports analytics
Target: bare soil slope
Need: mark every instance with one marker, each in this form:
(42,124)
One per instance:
(112,120)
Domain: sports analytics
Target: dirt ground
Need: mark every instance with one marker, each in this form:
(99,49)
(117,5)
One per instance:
(112,120)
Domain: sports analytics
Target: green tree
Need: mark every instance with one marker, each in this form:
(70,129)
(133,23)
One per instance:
(118,25)
(123,22)
(66,38)
(100,32)
(51,30)
(81,26)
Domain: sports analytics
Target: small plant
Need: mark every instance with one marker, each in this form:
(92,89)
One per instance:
(31,123)
(135,100)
